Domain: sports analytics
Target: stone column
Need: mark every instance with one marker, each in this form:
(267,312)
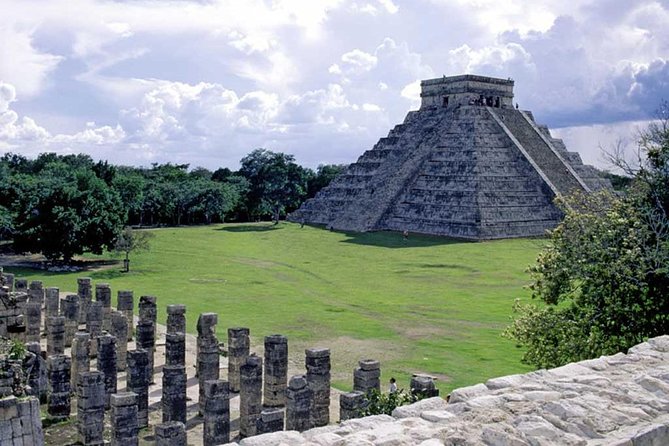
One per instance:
(176,319)
(107,364)
(81,355)
(208,358)
(90,408)
(423,385)
(318,377)
(276,370)
(138,382)
(271,420)
(175,349)
(250,396)
(33,312)
(171,433)
(124,429)
(298,404)
(85,295)
(103,294)
(55,340)
(350,405)
(145,334)
(238,350)
(36,292)
(147,309)
(37,379)
(21,285)
(125,303)
(367,376)
(174,393)
(216,410)
(119,329)
(94,325)
(148,315)
(52,304)
(69,309)
(9,281)
(58,399)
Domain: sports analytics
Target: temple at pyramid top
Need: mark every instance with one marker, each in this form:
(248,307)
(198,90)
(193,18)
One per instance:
(467,164)
(467,89)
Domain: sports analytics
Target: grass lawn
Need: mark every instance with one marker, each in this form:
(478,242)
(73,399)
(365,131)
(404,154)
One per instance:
(429,304)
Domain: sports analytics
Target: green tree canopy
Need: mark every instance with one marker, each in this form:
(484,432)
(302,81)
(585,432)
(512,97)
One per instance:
(276,182)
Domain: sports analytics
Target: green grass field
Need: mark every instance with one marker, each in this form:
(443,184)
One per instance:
(429,304)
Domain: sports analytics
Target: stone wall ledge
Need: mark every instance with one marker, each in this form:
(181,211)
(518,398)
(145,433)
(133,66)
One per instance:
(618,400)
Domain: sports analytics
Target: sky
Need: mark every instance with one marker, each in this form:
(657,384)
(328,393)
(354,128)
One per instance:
(204,82)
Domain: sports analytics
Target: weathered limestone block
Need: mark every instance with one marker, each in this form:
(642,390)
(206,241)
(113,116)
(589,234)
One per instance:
(91,408)
(103,294)
(8,281)
(125,303)
(423,385)
(58,399)
(55,340)
(70,309)
(146,340)
(298,404)
(317,362)
(21,285)
(138,383)
(171,433)
(350,405)
(216,410)
(208,357)
(119,329)
(52,305)
(250,395)
(148,310)
(176,318)
(276,370)
(37,378)
(20,422)
(81,356)
(36,292)
(174,393)
(85,295)
(107,364)
(175,349)
(367,376)
(94,324)
(239,345)
(33,311)
(124,429)
(270,420)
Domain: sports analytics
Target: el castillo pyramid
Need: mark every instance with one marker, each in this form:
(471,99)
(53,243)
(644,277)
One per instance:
(467,164)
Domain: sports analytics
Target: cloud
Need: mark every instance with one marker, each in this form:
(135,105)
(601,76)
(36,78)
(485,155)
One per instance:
(25,67)
(357,61)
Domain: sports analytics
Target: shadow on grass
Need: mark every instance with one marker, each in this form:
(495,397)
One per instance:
(255,227)
(387,239)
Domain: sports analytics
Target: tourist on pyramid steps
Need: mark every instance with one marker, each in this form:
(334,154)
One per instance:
(393,386)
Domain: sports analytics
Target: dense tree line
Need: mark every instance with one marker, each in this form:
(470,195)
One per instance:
(64,205)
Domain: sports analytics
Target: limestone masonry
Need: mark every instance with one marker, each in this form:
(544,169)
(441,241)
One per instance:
(467,164)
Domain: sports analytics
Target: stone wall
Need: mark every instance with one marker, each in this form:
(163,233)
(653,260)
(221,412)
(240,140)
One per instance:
(619,400)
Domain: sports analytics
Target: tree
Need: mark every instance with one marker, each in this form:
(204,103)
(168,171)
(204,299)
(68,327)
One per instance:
(604,278)
(325,173)
(277,183)
(65,212)
(132,241)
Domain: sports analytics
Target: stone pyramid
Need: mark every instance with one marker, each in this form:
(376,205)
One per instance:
(467,164)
